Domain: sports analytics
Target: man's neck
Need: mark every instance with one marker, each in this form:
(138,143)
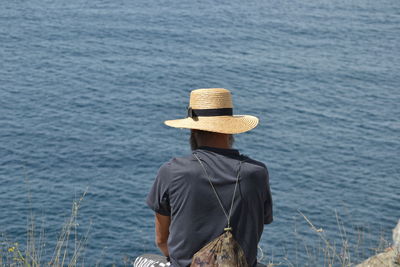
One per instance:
(209,139)
(217,143)
(220,147)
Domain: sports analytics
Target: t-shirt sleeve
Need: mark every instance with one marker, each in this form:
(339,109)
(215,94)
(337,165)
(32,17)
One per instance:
(158,197)
(268,216)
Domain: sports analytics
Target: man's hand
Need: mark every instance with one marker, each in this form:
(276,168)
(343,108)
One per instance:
(162,232)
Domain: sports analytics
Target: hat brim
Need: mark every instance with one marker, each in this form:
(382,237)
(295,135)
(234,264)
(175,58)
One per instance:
(219,124)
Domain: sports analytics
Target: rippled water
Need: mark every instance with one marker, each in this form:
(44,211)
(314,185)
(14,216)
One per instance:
(85,86)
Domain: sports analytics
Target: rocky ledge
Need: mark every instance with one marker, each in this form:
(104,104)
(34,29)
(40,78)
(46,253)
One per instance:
(385,259)
(389,258)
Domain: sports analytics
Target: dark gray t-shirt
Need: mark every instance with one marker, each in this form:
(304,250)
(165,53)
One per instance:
(182,190)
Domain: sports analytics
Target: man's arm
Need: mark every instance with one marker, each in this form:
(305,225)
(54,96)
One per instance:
(162,232)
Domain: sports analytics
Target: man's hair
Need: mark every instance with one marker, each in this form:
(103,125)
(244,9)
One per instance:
(197,135)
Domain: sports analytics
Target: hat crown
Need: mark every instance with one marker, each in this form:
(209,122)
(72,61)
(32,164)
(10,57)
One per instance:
(211,98)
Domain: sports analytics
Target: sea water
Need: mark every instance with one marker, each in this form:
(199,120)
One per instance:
(86,85)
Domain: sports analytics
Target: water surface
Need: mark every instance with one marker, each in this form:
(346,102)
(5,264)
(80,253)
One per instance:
(86,85)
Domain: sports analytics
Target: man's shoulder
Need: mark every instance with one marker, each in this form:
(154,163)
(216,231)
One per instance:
(180,160)
(178,168)
(178,163)
(188,163)
(256,168)
(254,162)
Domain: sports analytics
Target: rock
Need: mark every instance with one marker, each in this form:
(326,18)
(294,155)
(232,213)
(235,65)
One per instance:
(396,242)
(390,258)
(396,237)
(385,259)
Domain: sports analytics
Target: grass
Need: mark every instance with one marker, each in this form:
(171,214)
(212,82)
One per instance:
(68,250)
(328,252)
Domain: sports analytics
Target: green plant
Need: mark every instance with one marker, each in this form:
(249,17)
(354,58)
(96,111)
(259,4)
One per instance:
(32,255)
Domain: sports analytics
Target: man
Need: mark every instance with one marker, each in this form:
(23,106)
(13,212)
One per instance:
(193,195)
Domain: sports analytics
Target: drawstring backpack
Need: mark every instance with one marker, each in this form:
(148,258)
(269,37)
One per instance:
(223,251)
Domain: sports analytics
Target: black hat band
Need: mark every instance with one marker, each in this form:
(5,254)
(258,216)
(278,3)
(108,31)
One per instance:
(209,112)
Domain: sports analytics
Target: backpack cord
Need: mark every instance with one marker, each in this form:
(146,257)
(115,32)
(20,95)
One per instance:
(228,216)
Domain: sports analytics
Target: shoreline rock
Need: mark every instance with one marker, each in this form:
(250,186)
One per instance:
(385,259)
(389,258)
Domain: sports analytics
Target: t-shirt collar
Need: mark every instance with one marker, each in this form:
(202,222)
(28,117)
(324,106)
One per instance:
(223,151)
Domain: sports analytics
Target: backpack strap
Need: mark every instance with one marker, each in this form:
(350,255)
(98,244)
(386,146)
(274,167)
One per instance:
(227,215)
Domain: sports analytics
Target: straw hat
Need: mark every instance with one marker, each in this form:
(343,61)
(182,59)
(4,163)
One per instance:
(212,110)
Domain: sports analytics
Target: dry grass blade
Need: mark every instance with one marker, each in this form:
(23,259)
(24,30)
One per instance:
(32,255)
(61,252)
(330,251)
